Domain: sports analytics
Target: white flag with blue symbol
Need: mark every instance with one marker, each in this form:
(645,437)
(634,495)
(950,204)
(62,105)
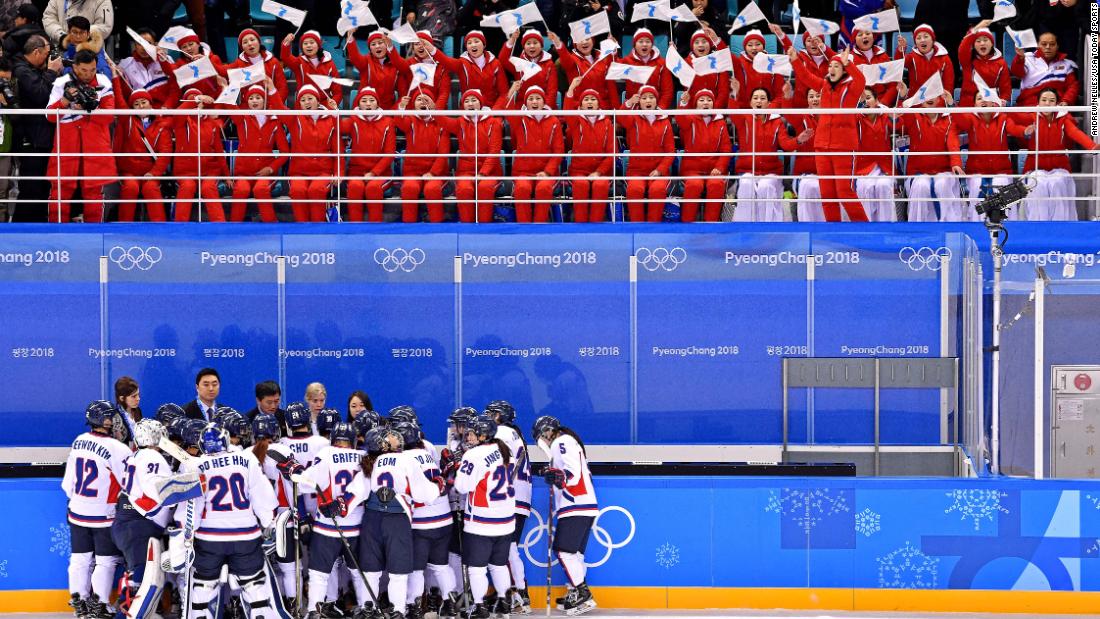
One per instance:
(629,72)
(229,95)
(748,15)
(171,38)
(1024,39)
(681,14)
(796,16)
(883,21)
(987,93)
(513,20)
(246,76)
(679,67)
(1004,9)
(525,68)
(284,12)
(778,64)
(714,62)
(654,9)
(883,72)
(590,27)
(930,90)
(195,72)
(423,73)
(354,14)
(820,27)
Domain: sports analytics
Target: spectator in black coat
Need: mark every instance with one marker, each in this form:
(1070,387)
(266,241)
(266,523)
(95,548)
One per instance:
(469,18)
(28,21)
(34,74)
(576,10)
(711,13)
(208,386)
(950,20)
(268,398)
(1065,20)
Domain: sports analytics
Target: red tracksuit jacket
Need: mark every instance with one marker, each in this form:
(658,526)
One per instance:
(589,135)
(1056,134)
(258,144)
(993,69)
(536,135)
(835,132)
(594,69)
(373,141)
(759,138)
(718,83)
(440,92)
(314,134)
(424,137)
(480,142)
(208,86)
(920,68)
(705,134)
(186,130)
(272,68)
(804,161)
(988,135)
(818,65)
(382,75)
(875,136)
(646,136)
(303,67)
(131,137)
(546,78)
(661,79)
(1059,75)
(490,79)
(751,79)
(929,135)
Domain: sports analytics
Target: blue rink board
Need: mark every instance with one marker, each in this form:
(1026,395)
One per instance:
(998,534)
(689,353)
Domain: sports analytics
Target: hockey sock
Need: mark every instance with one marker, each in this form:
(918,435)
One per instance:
(479,583)
(80,573)
(397,588)
(444,578)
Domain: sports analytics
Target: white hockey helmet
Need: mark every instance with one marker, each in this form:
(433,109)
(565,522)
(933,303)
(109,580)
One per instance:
(148,433)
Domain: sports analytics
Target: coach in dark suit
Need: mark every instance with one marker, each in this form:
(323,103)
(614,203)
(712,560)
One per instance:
(268,398)
(207,387)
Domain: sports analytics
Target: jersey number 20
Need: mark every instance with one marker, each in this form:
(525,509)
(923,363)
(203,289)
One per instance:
(233,486)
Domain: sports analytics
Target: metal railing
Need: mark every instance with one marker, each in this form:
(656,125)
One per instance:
(336,200)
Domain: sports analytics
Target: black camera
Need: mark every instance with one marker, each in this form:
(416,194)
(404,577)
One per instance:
(995,206)
(7,91)
(82,95)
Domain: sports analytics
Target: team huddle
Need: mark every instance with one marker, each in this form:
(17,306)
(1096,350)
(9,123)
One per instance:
(269,521)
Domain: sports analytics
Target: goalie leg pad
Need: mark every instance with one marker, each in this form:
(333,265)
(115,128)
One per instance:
(286,534)
(203,598)
(261,595)
(148,595)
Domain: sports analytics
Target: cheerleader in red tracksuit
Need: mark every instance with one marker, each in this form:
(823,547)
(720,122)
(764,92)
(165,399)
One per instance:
(477,69)
(988,163)
(193,49)
(313,61)
(586,62)
(252,54)
(1053,198)
(836,134)
(645,54)
(759,137)
(546,78)
(480,141)
(706,136)
(926,59)
(380,69)
(261,152)
(704,42)
(932,179)
(652,149)
(538,135)
(440,89)
(749,78)
(589,134)
(373,141)
(143,145)
(424,165)
(199,148)
(865,52)
(806,186)
(875,161)
(815,58)
(978,54)
(315,135)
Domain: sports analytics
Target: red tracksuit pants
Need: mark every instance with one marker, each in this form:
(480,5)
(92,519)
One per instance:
(837,192)
(261,189)
(211,198)
(145,187)
(366,192)
(711,188)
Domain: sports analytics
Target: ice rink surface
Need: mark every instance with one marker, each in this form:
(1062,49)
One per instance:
(724,614)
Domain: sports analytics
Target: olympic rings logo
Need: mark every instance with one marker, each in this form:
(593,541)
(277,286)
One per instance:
(392,261)
(660,258)
(536,532)
(141,258)
(924,258)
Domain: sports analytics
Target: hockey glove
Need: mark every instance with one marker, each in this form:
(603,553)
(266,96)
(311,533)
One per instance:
(289,467)
(268,542)
(554,477)
(335,508)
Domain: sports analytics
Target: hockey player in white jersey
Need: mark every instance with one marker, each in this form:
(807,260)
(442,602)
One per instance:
(431,526)
(265,431)
(449,457)
(306,445)
(94,472)
(333,473)
(142,512)
(574,505)
(490,515)
(396,482)
(236,510)
(519,469)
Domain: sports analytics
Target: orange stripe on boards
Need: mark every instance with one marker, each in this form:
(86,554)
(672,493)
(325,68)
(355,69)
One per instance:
(35,601)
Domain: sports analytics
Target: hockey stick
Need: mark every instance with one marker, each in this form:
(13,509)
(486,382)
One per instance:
(549,541)
(297,548)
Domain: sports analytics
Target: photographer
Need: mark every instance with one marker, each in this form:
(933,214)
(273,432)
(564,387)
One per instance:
(35,73)
(81,138)
(7,99)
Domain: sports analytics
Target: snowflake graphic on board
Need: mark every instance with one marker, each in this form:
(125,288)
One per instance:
(867,523)
(1094,549)
(1094,500)
(807,508)
(59,540)
(976,504)
(668,556)
(4,568)
(907,568)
